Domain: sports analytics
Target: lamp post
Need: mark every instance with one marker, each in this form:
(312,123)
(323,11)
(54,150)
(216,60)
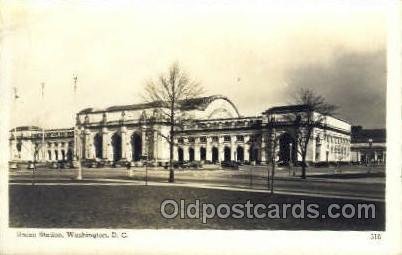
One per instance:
(77,134)
(291,159)
(370,143)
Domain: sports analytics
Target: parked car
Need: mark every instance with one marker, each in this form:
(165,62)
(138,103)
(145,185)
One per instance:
(230,164)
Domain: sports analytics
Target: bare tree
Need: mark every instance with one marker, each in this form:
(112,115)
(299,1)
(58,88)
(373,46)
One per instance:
(170,90)
(314,113)
(273,154)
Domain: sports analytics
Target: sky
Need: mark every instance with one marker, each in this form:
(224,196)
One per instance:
(257,53)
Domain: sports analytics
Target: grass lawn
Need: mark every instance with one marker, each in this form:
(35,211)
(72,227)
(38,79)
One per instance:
(138,207)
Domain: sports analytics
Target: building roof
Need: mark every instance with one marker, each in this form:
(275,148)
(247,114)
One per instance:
(288,108)
(198,103)
(360,135)
(26,128)
(295,108)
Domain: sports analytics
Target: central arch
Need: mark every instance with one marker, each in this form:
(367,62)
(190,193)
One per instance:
(287,148)
(253,153)
(203,153)
(240,153)
(215,155)
(69,154)
(98,144)
(136,146)
(116,145)
(226,153)
(180,154)
(191,154)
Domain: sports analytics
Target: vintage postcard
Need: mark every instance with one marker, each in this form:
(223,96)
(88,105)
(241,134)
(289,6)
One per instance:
(178,127)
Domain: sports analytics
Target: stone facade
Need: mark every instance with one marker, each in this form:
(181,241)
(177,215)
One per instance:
(214,132)
(31,143)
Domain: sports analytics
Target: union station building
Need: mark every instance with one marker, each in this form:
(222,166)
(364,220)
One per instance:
(215,131)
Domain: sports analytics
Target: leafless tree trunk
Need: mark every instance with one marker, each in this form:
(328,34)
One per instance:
(274,144)
(170,90)
(316,109)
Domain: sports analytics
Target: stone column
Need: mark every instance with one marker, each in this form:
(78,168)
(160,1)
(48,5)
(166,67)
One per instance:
(208,149)
(233,148)
(185,153)
(124,144)
(221,147)
(155,145)
(263,150)
(246,152)
(105,143)
(59,149)
(88,144)
(53,155)
(175,153)
(311,148)
(144,140)
(197,156)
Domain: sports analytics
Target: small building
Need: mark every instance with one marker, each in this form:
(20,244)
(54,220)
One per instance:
(368,145)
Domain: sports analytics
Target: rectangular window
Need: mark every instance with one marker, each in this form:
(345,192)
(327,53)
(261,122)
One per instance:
(227,138)
(240,138)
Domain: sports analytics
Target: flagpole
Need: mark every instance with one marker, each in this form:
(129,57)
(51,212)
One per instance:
(15,126)
(77,133)
(43,129)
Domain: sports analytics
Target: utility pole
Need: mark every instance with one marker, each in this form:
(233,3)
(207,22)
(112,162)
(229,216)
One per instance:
(77,134)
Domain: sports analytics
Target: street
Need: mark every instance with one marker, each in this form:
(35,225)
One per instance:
(349,183)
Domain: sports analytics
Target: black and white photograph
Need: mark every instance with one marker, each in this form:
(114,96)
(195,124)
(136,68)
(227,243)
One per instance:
(205,122)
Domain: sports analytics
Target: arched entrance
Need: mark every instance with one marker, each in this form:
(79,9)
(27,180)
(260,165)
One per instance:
(116,145)
(286,148)
(203,153)
(136,146)
(180,154)
(253,153)
(98,144)
(191,154)
(240,153)
(226,152)
(70,154)
(215,155)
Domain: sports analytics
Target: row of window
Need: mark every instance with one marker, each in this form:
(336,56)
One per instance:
(203,139)
(339,150)
(54,134)
(56,144)
(225,124)
(336,140)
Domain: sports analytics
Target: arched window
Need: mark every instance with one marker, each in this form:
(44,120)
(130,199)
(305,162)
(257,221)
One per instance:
(240,153)
(136,146)
(98,144)
(215,155)
(180,154)
(227,151)
(203,153)
(191,154)
(116,145)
